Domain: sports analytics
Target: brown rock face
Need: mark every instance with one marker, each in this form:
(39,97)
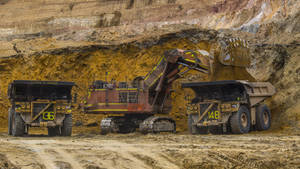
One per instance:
(79,40)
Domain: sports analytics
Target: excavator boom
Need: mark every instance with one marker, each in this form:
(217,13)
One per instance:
(170,62)
(173,65)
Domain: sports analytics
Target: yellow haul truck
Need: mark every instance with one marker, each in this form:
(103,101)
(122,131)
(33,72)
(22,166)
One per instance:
(40,104)
(228,106)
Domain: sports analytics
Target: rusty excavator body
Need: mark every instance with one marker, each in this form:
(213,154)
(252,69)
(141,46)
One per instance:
(137,105)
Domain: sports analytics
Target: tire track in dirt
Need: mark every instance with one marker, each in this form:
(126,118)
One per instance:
(105,154)
(110,154)
(153,151)
(50,155)
(44,157)
(138,152)
(66,157)
(118,154)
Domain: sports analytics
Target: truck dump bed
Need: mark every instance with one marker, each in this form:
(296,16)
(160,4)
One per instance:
(230,90)
(27,90)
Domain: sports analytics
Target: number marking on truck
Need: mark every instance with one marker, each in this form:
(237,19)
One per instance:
(48,115)
(214,115)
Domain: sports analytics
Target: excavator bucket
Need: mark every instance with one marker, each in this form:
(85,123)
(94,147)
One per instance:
(231,58)
(234,52)
(227,60)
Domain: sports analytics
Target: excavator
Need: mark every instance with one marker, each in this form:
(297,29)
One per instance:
(144,103)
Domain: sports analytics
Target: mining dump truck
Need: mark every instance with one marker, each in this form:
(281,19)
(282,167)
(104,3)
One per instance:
(228,106)
(40,104)
(136,105)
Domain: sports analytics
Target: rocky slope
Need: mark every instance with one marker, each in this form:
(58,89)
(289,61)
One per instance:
(80,40)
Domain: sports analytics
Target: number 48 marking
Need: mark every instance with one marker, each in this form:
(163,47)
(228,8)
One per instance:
(214,115)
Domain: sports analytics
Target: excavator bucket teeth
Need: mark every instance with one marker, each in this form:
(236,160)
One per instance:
(231,58)
(234,52)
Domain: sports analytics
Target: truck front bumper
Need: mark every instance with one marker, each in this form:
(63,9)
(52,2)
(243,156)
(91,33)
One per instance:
(45,124)
(209,123)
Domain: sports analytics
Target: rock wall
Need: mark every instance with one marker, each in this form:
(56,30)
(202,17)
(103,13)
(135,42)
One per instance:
(85,64)
(78,20)
(54,40)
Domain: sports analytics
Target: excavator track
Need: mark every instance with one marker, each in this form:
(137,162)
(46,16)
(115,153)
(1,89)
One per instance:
(156,124)
(117,124)
(106,125)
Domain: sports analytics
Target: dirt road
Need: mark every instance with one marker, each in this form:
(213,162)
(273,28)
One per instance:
(172,151)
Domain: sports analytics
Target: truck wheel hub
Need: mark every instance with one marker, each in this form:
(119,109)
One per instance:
(266,117)
(244,120)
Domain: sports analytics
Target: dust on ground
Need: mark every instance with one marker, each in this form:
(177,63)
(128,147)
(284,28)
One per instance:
(93,151)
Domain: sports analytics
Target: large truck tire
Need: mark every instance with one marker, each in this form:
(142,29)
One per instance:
(18,125)
(263,117)
(194,129)
(53,131)
(10,121)
(66,129)
(240,121)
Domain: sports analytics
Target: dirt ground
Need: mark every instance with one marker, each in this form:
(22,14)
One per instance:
(92,151)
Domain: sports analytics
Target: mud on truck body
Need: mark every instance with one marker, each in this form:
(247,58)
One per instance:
(40,104)
(228,106)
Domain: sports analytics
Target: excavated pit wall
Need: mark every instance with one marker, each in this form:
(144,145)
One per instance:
(279,64)
(125,61)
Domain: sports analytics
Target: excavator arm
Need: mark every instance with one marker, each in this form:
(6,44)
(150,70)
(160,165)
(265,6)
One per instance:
(173,65)
(230,58)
